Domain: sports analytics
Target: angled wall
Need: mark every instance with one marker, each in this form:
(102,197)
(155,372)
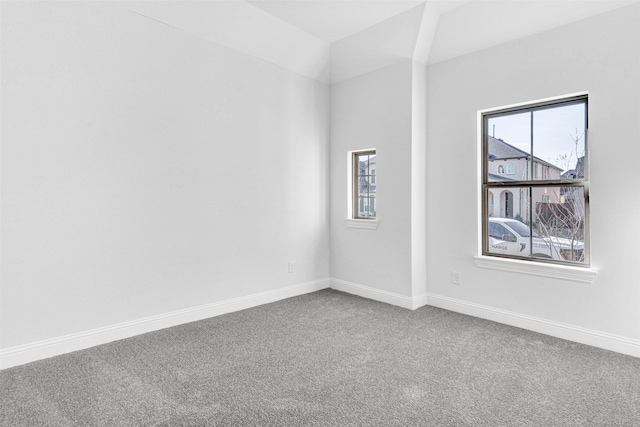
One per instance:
(146,171)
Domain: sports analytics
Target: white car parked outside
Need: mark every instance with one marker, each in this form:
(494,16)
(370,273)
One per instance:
(511,237)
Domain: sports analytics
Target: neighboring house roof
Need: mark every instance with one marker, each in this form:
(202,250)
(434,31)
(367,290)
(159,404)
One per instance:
(500,150)
(578,172)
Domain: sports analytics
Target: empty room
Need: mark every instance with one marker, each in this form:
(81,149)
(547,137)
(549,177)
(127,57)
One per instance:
(191,231)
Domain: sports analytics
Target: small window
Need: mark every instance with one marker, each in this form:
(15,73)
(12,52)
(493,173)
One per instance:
(543,213)
(364,184)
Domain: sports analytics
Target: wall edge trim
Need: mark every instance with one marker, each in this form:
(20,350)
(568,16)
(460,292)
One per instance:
(604,340)
(31,352)
(379,295)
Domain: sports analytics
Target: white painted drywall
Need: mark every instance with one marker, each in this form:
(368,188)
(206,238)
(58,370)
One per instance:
(145,170)
(600,55)
(245,28)
(419,200)
(386,43)
(481,24)
(374,111)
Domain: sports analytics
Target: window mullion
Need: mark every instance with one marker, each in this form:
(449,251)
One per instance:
(531,162)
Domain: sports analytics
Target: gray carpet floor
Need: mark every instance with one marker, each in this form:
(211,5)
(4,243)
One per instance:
(328,359)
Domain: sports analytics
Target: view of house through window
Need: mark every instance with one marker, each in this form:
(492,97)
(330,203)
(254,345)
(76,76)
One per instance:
(364,183)
(535,182)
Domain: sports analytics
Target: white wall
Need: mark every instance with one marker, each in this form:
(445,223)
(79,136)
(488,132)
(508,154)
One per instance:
(389,42)
(374,111)
(600,55)
(145,171)
(419,199)
(245,28)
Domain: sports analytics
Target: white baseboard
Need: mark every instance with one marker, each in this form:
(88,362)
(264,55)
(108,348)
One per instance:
(591,337)
(379,295)
(26,353)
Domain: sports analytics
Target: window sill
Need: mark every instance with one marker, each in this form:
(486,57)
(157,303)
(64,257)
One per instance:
(369,224)
(565,272)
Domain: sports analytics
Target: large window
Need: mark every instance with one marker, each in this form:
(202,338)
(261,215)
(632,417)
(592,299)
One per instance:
(538,209)
(364,184)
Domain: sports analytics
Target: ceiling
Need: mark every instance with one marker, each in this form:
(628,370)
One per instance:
(334,40)
(333,20)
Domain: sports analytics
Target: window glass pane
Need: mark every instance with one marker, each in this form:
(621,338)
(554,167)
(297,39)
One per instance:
(363,186)
(366,207)
(509,147)
(372,207)
(560,221)
(363,162)
(362,207)
(559,142)
(508,221)
(491,204)
(364,176)
(371,164)
(508,202)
